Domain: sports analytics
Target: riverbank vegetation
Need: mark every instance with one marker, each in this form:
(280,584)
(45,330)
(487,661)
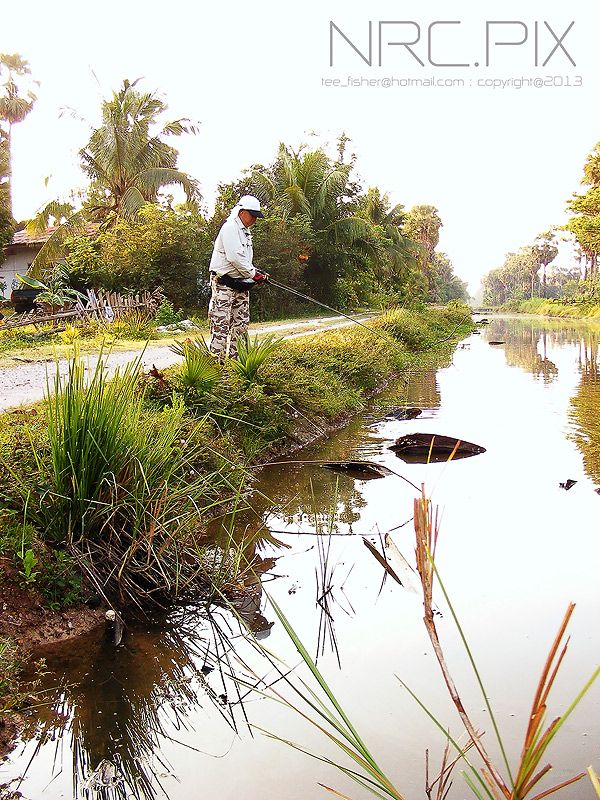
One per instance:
(112,482)
(324,233)
(531,281)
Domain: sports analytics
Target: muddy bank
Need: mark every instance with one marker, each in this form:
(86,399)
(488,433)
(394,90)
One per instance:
(29,623)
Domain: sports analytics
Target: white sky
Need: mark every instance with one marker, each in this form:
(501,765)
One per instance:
(498,164)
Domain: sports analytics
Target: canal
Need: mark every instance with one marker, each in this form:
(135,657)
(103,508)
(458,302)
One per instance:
(169,714)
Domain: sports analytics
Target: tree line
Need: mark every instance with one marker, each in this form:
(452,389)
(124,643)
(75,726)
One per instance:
(323,234)
(527,273)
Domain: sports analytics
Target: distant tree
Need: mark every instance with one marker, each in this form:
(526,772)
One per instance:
(423,225)
(547,250)
(14,107)
(309,183)
(513,280)
(585,222)
(6,219)
(127,162)
(400,250)
(445,285)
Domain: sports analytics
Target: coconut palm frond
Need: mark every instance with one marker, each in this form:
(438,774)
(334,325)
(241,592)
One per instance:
(295,199)
(131,203)
(54,247)
(264,188)
(179,126)
(314,166)
(350,229)
(54,211)
(154,179)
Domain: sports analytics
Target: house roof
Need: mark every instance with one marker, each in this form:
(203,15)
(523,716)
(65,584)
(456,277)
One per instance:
(24,239)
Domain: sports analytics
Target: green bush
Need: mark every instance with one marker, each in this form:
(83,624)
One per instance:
(166,314)
(412,328)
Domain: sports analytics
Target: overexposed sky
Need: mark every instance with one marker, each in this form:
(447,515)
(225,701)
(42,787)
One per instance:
(498,163)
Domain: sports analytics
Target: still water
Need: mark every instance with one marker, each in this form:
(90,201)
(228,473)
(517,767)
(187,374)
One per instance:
(161,715)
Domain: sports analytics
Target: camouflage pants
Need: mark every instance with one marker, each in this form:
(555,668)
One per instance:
(229,315)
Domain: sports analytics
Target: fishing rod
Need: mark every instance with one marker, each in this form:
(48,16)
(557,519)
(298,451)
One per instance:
(271,282)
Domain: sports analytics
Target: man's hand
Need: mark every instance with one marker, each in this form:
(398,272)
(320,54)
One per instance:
(261,277)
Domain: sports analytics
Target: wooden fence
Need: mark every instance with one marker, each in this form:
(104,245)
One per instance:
(101,306)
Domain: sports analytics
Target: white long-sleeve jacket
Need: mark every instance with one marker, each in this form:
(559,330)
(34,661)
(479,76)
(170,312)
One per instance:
(233,252)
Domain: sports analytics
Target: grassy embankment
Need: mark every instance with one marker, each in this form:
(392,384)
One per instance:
(106,489)
(554,308)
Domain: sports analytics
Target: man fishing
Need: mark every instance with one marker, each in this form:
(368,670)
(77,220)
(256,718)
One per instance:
(232,274)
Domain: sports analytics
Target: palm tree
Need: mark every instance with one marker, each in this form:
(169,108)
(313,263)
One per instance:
(400,250)
(128,164)
(14,107)
(310,184)
(423,226)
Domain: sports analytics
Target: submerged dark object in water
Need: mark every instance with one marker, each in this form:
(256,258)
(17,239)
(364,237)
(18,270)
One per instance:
(492,343)
(568,484)
(404,413)
(424,448)
(361,470)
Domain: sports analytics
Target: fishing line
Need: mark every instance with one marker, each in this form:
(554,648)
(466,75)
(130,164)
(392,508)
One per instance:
(353,319)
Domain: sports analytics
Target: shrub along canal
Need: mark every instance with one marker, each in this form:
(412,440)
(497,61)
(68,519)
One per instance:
(160,715)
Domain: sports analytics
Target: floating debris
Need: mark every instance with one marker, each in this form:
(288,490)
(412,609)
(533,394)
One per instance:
(382,560)
(404,413)
(361,470)
(483,321)
(425,448)
(568,484)
(597,490)
(494,343)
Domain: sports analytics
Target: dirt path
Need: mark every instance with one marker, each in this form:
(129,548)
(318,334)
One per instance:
(26,383)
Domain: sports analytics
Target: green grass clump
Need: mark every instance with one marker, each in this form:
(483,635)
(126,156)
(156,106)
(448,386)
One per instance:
(558,307)
(120,489)
(252,354)
(200,372)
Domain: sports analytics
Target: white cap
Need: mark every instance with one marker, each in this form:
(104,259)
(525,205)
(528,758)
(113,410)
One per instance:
(252,204)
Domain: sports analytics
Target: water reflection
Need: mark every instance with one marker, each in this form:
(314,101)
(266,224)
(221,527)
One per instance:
(125,707)
(585,414)
(527,344)
(523,342)
(118,706)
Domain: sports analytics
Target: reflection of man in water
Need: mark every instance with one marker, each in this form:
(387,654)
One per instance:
(248,607)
